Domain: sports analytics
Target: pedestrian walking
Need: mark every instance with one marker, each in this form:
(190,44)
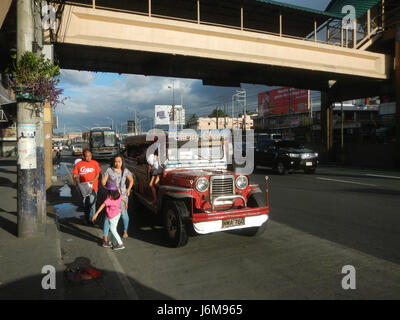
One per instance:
(113,214)
(58,158)
(120,176)
(88,171)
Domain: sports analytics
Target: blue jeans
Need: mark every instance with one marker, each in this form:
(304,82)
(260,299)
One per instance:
(113,226)
(125,219)
(89,203)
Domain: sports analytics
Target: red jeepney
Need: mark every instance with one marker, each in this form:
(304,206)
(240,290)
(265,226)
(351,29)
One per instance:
(197,192)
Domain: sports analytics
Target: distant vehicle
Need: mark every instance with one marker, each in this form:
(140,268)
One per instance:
(77,149)
(283,155)
(103,143)
(269,136)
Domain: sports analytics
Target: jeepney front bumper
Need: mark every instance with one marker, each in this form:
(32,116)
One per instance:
(209,222)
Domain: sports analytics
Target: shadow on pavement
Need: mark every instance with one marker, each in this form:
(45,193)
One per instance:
(7,225)
(4,182)
(7,171)
(105,287)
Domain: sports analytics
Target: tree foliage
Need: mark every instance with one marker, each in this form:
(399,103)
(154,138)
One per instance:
(37,77)
(216,111)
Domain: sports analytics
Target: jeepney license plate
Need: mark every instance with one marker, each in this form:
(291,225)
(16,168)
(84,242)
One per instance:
(232,223)
(309,164)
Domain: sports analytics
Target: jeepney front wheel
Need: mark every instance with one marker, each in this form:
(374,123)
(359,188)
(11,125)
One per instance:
(256,200)
(175,229)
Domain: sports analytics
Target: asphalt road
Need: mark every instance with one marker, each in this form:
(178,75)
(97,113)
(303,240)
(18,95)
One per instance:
(318,224)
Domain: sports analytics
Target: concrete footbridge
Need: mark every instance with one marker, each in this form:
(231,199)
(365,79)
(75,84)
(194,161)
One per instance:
(202,39)
(347,51)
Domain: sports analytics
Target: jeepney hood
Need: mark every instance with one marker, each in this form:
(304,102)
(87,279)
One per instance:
(177,176)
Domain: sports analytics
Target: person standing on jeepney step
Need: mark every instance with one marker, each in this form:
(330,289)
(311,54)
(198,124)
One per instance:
(156,172)
(120,176)
(88,170)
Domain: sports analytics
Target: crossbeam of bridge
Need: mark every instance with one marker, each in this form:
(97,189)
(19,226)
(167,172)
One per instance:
(132,43)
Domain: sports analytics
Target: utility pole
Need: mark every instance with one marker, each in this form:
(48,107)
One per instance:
(342,116)
(40,136)
(224,113)
(29,222)
(245,111)
(217,118)
(397,92)
(135,124)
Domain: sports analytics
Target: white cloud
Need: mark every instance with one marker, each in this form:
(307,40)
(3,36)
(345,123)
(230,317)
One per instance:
(92,102)
(73,77)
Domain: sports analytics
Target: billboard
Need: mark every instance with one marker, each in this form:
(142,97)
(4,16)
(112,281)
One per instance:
(282,101)
(163,115)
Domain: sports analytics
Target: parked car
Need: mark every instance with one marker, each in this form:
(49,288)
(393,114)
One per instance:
(77,149)
(197,193)
(283,155)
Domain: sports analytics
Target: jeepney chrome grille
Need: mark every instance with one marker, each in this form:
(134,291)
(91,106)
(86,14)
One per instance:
(222,186)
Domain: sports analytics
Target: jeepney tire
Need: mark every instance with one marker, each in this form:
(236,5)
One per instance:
(175,228)
(256,200)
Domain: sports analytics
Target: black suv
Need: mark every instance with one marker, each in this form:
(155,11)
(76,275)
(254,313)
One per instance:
(284,155)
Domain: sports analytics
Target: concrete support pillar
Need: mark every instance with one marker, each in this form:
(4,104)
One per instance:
(397,90)
(41,181)
(28,221)
(326,125)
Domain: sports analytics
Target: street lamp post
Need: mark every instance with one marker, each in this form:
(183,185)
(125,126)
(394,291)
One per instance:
(173,101)
(112,122)
(140,125)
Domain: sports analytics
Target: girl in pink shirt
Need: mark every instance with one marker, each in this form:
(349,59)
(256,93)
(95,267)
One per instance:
(113,212)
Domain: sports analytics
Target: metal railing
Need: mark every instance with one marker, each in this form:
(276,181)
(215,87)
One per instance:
(310,37)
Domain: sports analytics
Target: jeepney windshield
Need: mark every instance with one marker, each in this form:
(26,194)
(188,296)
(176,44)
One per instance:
(201,149)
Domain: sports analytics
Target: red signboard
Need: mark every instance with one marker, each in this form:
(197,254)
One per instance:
(282,101)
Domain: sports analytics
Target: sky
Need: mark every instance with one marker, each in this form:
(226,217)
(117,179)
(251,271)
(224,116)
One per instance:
(105,99)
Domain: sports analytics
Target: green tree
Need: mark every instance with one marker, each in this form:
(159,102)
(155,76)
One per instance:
(221,114)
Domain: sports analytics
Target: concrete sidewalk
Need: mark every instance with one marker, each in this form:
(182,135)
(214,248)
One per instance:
(68,241)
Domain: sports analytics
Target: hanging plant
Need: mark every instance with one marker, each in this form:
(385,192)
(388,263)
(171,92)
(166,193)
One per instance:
(35,79)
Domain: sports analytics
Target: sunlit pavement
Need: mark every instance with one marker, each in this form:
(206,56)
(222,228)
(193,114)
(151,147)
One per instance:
(319,224)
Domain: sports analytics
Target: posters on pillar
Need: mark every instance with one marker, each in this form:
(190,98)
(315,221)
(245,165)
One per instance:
(27,146)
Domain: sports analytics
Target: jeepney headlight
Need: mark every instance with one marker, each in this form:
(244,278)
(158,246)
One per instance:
(242,182)
(202,185)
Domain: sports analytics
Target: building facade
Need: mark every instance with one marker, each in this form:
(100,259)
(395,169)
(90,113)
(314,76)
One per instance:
(206,123)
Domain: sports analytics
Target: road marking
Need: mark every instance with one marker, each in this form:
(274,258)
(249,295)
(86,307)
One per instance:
(126,284)
(344,181)
(130,291)
(382,176)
